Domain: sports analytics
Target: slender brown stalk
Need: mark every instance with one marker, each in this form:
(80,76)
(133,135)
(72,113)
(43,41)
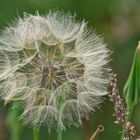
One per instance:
(96,133)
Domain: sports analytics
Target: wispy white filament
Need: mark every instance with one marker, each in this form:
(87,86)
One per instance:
(56,66)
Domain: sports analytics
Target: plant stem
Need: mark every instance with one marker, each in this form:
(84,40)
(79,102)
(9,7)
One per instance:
(35,131)
(59,105)
(15,126)
(130,114)
(59,134)
(96,133)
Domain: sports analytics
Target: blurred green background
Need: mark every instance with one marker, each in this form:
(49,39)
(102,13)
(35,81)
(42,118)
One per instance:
(118,21)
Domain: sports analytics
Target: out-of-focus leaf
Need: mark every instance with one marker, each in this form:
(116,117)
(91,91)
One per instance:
(132,86)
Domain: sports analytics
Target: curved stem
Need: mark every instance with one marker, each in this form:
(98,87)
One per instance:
(35,131)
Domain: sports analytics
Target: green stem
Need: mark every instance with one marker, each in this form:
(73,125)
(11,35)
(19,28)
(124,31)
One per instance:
(59,134)
(15,126)
(35,131)
(59,105)
(130,114)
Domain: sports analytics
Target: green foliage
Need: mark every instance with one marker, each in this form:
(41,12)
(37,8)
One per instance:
(132,86)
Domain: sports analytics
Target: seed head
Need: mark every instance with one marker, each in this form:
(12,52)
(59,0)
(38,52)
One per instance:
(56,66)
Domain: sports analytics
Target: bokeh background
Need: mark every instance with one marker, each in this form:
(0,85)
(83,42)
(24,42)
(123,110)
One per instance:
(118,21)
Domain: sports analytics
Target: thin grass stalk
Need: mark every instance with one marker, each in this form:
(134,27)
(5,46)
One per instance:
(35,132)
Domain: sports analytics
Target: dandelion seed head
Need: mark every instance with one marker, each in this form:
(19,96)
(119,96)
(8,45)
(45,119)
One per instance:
(55,66)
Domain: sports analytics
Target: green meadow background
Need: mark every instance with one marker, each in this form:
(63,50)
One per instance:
(118,21)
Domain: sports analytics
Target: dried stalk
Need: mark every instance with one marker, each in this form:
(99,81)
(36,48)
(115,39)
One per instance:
(98,130)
